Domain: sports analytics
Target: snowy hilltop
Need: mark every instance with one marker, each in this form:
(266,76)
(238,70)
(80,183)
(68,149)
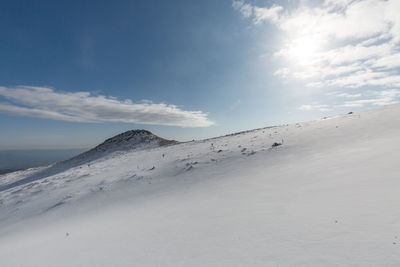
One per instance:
(133,140)
(130,140)
(319,193)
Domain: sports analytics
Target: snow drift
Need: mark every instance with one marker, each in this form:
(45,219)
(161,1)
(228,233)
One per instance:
(326,197)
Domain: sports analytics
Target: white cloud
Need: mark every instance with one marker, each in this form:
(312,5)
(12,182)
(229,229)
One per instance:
(368,98)
(245,9)
(388,93)
(259,14)
(271,14)
(322,108)
(365,78)
(282,72)
(346,95)
(388,61)
(340,43)
(305,107)
(337,3)
(46,103)
(375,102)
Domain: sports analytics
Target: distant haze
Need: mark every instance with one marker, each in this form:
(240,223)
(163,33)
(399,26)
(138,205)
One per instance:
(11,160)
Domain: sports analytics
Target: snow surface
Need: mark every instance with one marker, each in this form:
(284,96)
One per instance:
(328,196)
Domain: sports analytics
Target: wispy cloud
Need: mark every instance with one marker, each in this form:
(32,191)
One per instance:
(322,108)
(369,98)
(347,95)
(340,43)
(47,103)
(258,14)
(377,98)
(245,9)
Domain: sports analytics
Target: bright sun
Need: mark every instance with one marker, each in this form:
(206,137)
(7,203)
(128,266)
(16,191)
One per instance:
(303,50)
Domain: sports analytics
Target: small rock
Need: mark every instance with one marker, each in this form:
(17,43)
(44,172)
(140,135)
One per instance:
(276,144)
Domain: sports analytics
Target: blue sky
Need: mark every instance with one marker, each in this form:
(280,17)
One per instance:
(73,73)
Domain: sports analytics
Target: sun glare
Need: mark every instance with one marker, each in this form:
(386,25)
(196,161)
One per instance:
(303,50)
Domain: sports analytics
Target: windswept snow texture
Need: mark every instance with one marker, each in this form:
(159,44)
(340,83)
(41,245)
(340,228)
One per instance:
(327,196)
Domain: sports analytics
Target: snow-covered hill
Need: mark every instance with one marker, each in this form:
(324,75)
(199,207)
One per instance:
(327,196)
(130,140)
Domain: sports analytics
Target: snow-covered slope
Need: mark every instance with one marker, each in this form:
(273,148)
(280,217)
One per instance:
(328,196)
(134,140)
